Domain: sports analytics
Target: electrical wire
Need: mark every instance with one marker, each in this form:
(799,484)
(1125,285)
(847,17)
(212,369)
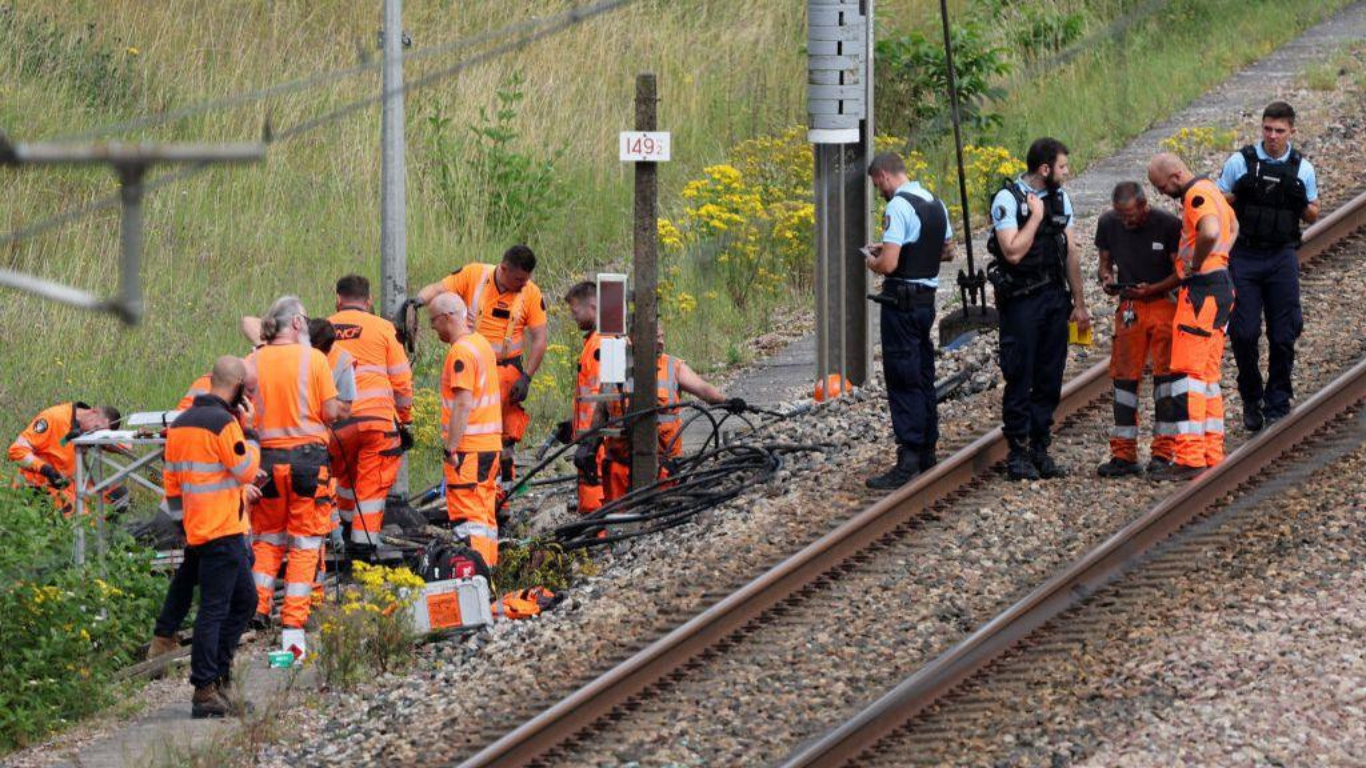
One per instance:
(551,25)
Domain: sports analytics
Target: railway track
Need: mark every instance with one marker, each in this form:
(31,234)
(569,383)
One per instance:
(614,694)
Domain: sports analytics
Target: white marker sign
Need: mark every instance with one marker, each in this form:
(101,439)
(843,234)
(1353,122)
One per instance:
(645,146)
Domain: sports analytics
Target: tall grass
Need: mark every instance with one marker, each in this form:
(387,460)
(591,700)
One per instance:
(230,240)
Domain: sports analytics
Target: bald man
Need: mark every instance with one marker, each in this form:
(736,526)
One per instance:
(1209,228)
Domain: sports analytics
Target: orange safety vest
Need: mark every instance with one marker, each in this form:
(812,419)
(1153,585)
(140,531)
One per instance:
(470,365)
(384,379)
(208,461)
(293,383)
(502,326)
(1203,198)
(47,441)
(670,421)
(199,387)
(589,383)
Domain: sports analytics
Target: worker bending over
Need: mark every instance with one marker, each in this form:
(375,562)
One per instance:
(582,300)
(370,442)
(1209,228)
(673,377)
(507,309)
(296,401)
(1138,247)
(211,462)
(45,455)
(471,426)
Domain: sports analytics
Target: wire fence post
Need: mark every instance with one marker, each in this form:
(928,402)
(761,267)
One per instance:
(393,265)
(644,355)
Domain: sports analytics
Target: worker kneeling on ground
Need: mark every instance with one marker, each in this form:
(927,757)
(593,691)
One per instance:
(296,401)
(471,426)
(508,310)
(371,441)
(45,455)
(1208,230)
(583,306)
(1137,247)
(212,455)
(673,376)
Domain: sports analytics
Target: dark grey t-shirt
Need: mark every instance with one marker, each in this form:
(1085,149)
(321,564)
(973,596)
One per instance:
(1143,255)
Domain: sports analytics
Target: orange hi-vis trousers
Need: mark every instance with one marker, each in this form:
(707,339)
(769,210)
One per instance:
(291,521)
(1143,332)
(472,500)
(1203,308)
(366,456)
(591,496)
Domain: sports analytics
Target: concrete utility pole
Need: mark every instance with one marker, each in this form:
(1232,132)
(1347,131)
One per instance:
(130,162)
(840,111)
(393,264)
(644,434)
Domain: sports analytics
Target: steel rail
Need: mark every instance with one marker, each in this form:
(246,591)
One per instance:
(1107,561)
(676,649)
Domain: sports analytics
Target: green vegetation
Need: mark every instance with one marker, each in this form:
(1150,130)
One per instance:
(65,629)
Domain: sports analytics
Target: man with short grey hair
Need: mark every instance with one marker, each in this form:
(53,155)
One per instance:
(1137,247)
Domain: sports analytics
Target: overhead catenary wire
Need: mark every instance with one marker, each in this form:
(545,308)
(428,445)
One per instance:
(549,25)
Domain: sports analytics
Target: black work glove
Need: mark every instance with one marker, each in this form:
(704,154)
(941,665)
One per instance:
(54,478)
(405,437)
(586,461)
(520,388)
(735,405)
(1298,194)
(564,432)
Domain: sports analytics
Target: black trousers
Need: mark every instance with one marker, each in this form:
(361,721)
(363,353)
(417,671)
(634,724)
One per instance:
(1033,357)
(179,595)
(227,599)
(908,367)
(1267,283)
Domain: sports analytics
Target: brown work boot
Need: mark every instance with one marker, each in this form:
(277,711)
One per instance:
(238,706)
(163,645)
(208,702)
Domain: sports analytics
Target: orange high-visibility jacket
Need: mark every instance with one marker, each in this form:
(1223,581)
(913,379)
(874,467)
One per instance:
(47,442)
(293,383)
(670,421)
(589,384)
(1203,199)
(502,318)
(470,366)
(384,380)
(208,461)
(199,387)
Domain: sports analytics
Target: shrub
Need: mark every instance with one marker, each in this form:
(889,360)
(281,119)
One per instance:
(1195,144)
(66,629)
(368,632)
(913,85)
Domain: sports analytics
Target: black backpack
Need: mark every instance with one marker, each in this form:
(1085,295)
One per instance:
(442,560)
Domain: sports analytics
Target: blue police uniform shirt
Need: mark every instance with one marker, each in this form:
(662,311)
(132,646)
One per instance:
(1005,213)
(903,225)
(1236,168)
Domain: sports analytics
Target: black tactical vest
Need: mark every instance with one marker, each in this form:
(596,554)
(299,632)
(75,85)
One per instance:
(1268,200)
(920,259)
(1047,256)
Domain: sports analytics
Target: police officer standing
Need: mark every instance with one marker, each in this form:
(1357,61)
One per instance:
(1272,189)
(916,236)
(1036,263)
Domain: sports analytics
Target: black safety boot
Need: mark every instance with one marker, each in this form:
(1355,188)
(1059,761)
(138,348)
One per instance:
(928,459)
(208,702)
(1119,468)
(1048,469)
(1175,473)
(1158,464)
(261,622)
(1253,421)
(907,467)
(1018,464)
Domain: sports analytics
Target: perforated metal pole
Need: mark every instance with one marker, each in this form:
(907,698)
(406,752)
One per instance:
(393,263)
(644,430)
